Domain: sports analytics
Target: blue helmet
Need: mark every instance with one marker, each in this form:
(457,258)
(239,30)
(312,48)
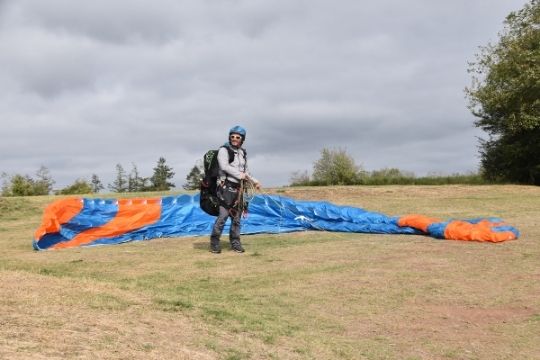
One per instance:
(238,130)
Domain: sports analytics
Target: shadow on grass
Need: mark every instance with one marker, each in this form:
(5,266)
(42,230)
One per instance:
(205,245)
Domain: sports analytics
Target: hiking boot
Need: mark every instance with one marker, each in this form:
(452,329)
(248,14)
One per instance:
(237,247)
(215,248)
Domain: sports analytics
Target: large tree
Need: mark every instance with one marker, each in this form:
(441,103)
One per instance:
(193,179)
(335,167)
(162,173)
(505,97)
(120,183)
(136,182)
(96,184)
(44,183)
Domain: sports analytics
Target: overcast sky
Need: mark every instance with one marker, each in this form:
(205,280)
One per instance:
(85,85)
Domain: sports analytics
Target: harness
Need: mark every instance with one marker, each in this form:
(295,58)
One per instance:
(212,190)
(230,192)
(231,153)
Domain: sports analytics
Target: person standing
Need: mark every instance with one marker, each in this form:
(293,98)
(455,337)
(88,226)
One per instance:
(233,170)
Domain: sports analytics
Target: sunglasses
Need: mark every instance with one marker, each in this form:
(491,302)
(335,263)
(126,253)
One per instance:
(235,137)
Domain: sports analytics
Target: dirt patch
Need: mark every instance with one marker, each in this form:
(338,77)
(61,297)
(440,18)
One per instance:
(479,317)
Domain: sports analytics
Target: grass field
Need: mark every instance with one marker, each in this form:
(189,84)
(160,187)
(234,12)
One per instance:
(309,295)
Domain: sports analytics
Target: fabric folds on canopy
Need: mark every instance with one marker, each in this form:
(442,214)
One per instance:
(74,222)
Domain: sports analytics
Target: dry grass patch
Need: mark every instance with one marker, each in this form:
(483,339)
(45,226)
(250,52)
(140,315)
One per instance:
(64,318)
(290,296)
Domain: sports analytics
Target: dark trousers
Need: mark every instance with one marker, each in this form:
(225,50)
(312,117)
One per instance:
(234,234)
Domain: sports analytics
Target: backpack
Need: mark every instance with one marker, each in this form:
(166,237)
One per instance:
(209,200)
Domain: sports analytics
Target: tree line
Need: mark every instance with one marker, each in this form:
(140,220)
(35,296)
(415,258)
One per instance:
(334,167)
(337,167)
(134,182)
(42,183)
(24,185)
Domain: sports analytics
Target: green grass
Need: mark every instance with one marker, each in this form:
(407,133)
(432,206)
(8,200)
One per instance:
(301,296)
(15,208)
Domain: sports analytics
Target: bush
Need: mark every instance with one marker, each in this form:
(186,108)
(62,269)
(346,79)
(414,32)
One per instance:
(335,167)
(80,186)
(24,185)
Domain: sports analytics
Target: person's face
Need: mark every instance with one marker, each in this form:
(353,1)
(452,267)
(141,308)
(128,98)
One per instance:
(235,139)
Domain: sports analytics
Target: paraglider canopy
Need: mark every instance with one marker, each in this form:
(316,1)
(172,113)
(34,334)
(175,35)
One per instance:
(88,222)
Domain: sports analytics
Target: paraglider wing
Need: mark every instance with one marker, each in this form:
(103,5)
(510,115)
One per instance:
(77,222)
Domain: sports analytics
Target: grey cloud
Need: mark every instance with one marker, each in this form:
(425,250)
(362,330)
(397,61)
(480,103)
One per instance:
(134,21)
(105,21)
(86,85)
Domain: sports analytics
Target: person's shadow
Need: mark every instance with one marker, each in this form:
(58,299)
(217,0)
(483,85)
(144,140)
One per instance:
(205,245)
